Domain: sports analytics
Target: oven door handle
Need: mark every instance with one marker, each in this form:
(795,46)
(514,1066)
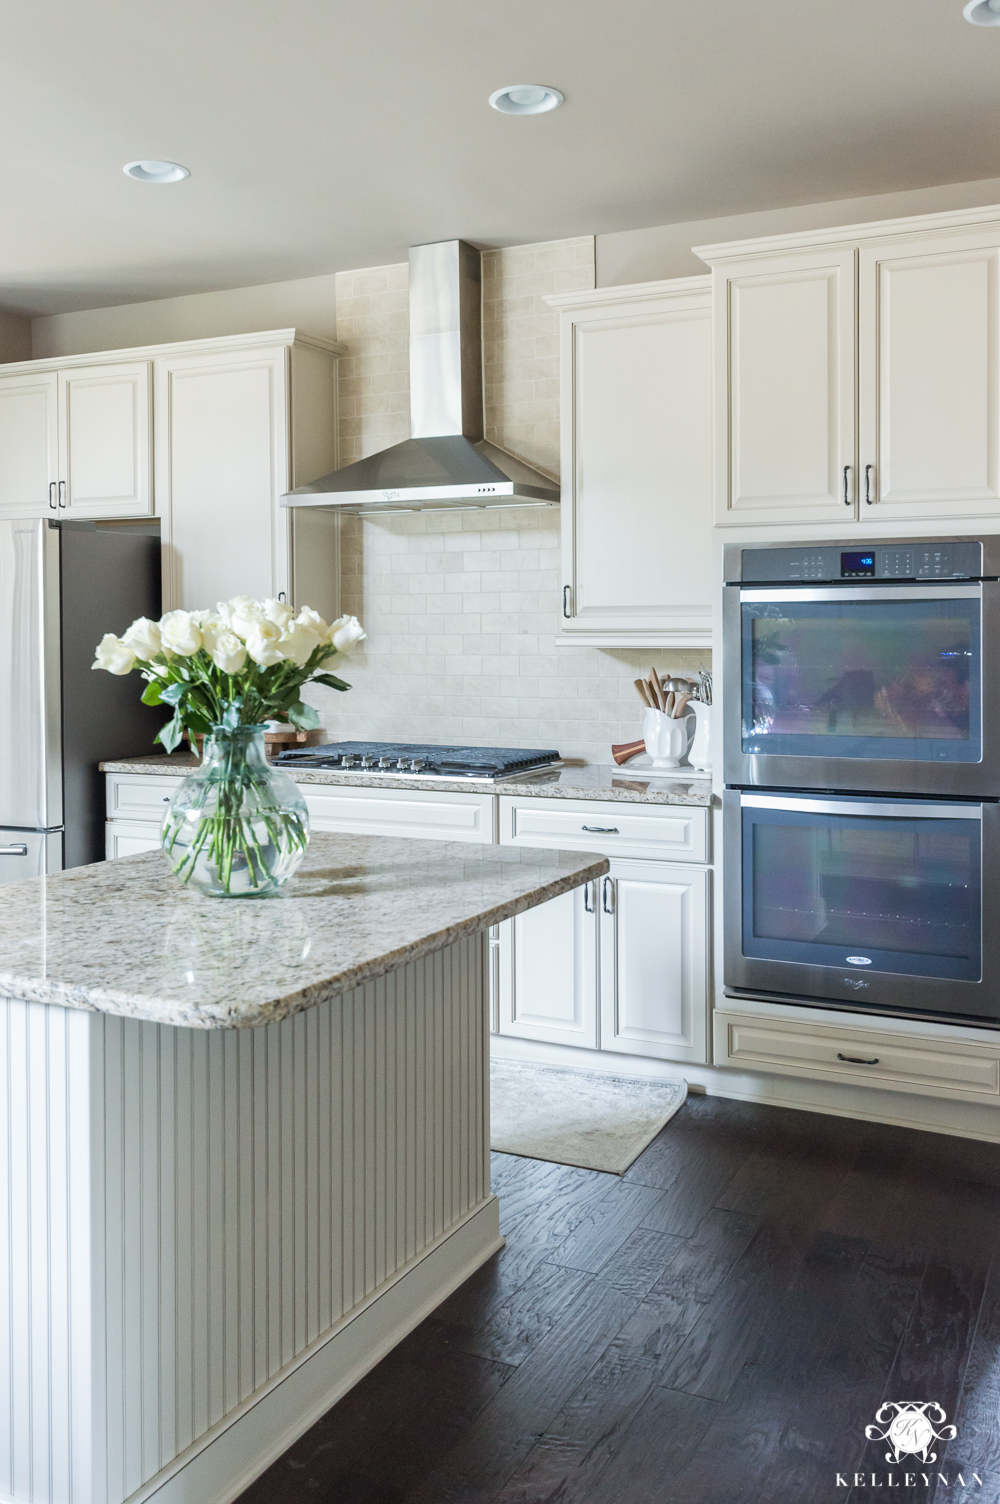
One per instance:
(757,595)
(893,809)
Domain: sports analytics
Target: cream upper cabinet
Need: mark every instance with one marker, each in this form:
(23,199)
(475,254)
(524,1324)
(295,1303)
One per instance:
(76,441)
(104,441)
(858,374)
(637,465)
(29,444)
(929,376)
(784,416)
(227,447)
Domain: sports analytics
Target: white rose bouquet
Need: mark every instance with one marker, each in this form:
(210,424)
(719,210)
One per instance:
(237,826)
(239,665)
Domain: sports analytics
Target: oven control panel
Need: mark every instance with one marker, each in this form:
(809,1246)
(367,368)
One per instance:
(826,563)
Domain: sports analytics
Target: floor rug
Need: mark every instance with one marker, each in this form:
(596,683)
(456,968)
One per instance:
(577,1117)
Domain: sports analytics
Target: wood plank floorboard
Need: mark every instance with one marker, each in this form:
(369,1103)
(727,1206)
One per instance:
(718,1326)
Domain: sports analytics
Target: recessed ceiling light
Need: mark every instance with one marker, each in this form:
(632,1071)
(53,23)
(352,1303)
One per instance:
(528,99)
(983,12)
(148,171)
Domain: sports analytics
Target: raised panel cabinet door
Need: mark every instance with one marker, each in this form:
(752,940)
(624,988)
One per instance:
(221,465)
(654,960)
(640,499)
(105,420)
(785,425)
(29,447)
(929,378)
(548,971)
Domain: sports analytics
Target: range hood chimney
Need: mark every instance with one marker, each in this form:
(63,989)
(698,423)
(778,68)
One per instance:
(446,464)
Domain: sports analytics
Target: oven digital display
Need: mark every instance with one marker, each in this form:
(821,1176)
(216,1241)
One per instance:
(857,566)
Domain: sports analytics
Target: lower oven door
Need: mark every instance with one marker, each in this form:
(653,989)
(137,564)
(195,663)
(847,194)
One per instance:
(886,904)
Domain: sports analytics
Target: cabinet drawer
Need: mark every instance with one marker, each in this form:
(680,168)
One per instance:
(897,1062)
(139,797)
(401,812)
(663,831)
(129,837)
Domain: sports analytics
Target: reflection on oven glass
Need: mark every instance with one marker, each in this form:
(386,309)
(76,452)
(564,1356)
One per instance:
(868,886)
(860,671)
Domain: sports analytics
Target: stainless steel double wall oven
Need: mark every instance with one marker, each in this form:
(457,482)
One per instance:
(862,766)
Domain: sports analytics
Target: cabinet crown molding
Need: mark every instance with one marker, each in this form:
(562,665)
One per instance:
(840,235)
(272,337)
(632,292)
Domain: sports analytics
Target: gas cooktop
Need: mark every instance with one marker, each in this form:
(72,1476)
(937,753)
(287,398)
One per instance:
(418,760)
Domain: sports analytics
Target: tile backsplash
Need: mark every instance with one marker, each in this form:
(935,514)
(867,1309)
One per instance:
(462,608)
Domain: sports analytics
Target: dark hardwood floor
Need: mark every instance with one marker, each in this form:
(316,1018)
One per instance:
(719,1325)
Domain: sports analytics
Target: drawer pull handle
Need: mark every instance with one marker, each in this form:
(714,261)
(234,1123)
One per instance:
(857,1060)
(19,848)
(601,830)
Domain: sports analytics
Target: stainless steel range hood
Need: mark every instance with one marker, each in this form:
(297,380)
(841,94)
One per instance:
(447,464)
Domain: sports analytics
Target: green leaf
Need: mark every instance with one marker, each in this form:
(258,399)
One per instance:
(170,734)
(330,680)
(231,715)
(202,724)
(172,693)
(151,694)
(303,716)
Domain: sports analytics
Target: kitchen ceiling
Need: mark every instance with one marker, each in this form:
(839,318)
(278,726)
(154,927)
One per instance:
(328,134)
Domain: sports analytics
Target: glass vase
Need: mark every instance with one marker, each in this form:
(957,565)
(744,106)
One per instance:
(237,827)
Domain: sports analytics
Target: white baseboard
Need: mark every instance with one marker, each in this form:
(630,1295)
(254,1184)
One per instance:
(227,1459)
(868,1104)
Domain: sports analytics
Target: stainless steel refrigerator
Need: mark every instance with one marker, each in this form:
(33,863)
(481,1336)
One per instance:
(62,586)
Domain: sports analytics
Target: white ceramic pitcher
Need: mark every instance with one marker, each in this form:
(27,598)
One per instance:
(667,739)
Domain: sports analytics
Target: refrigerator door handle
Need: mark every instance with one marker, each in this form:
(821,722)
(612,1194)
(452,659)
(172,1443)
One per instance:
(19,848)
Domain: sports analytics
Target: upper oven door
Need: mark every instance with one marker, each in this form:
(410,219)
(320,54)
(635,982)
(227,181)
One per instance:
(869,687)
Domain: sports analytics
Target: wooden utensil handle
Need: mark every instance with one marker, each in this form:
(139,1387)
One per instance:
(624,750)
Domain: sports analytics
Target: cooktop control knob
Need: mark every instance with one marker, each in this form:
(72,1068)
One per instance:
(385,762)
(367,760)
(347,761)
(416,764)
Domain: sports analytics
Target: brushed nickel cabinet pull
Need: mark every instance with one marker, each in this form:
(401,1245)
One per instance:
(601,830)
(608,886)
(566,611)
(857,1060)
(847,498)
(869,500)
(588,907)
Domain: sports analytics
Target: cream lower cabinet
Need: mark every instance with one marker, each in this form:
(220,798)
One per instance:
(654,960)
(636,429)
(621,965)
(548,983)
(857,374)
(76,442)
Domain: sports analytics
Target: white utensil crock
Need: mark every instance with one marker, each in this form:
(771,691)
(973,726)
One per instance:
(700,755)
(667,740)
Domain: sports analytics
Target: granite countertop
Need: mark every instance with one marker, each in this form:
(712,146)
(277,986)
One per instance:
(632,784)
(126,938)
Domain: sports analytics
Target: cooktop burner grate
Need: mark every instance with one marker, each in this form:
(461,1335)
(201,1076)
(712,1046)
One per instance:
(421,758)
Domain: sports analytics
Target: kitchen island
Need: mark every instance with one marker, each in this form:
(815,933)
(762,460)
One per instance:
(245,1150)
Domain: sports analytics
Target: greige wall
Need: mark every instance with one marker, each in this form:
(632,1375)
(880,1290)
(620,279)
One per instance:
(15,336)
(307,304)
(665,250)
(462,608)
